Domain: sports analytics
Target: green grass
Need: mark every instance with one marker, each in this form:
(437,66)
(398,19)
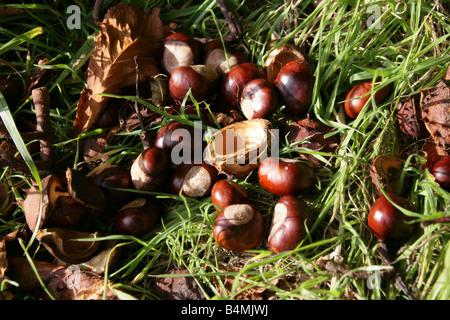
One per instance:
(410,50)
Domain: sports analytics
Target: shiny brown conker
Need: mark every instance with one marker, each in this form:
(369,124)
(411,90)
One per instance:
(227,192)
(199,79)
(290,223)
(294,84)
(114,177)
(239,227)
(282,176)
(387,222)
(358,96)
(215,57)
(178,49)
(234,81)
(150,170)
(441,172)
(137,218)
(258,99)
(193,180)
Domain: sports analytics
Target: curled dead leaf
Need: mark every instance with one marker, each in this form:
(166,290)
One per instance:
(125,33)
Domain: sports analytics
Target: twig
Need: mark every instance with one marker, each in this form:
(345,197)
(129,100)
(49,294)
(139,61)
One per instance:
(41,99)
(96,12)
(144,136)
(233,23)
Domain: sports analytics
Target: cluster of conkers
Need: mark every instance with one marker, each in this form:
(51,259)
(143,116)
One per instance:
(240,225)
(244,85)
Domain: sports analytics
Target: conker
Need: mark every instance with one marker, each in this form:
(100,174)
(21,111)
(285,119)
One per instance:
(441,172)
(137,217)
(150,170)
(114,177)
(282,176)
(228,192)
(294,84)
(291,220)
(387,222)
(67,213)
(258,99)
(178,49)
(200,79)
(358,96)
(193,180)
(234,81)
(215,58)
(239,227)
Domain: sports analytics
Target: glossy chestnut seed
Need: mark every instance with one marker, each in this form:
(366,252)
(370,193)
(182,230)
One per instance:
(150,170)
(387,222)
(227,192)
(200,79)
(67,213)
(193,180)
(114,177)
(441,172)
(290,223)
(239,227)
(282,176)
(234,81)
(172,134)
(137,217)
(178,49)
(216,59)
(358,96)
(258,99)
(294,84)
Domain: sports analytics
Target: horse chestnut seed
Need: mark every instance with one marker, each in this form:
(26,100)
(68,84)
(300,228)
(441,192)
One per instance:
(291,219)
(227,192)
(215,58)
(149,171)
(282,176)
(193,180)
(178,49)
(387,222)
(258,99)
(200,79)
(358,96)
(294,84)
(137,217)
(441,172)
(239,227)
(235,80)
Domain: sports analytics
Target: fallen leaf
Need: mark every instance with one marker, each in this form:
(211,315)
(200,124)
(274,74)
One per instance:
(178,288)
(63,283)
(125,33)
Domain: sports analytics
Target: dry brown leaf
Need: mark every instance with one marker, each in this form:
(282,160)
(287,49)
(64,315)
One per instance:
(63,283)
(125,33)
